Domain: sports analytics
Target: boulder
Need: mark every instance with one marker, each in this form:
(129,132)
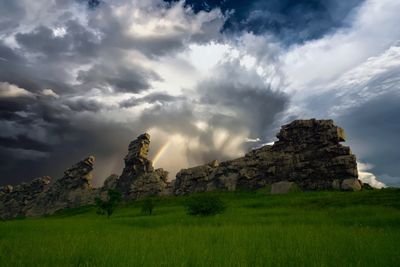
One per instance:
(336,184)
(283,187)
(351,185)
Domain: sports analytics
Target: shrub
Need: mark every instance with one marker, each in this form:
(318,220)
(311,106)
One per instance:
(204,205)
(148,206)
(107,207)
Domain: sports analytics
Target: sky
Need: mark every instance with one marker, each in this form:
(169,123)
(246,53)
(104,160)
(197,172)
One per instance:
(207,79)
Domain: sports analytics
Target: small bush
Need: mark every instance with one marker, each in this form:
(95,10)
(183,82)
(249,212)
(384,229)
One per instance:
(204,205)
(107,207)
(148,206)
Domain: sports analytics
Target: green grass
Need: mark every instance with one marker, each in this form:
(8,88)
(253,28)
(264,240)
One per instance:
(299,229)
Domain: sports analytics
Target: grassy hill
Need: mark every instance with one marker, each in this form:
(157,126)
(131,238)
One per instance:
(299,229)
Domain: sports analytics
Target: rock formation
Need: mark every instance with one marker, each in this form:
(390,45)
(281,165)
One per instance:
(110,182)
(138,178)
(308,153)
(19,200)
(43,196)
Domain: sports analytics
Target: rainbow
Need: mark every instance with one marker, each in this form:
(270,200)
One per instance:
(161,151)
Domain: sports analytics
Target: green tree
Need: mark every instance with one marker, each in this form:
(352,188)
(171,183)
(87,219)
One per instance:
(107,207)
(204,205)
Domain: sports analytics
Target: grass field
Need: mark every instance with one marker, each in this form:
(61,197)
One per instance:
(299,229)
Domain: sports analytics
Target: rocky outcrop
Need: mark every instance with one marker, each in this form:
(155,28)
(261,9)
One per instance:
(74,189)
(19,200)
(308,153)
(44,196)
(138,178)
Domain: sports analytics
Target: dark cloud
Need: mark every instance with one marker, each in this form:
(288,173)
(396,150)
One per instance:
(292,21)
(7,54)
(108,142)
(78,42)
(48,136)
(372,130)
(121,78)
(10,105)
(250,107)
(93,3)
(158,98)
(23,142)
(10,14)
(84,105)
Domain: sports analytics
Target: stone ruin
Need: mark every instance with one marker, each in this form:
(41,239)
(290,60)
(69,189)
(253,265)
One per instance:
(308,154)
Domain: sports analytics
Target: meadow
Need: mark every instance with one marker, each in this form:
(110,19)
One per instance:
(257,229)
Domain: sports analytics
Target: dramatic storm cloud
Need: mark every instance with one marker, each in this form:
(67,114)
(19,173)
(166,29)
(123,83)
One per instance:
(207,79)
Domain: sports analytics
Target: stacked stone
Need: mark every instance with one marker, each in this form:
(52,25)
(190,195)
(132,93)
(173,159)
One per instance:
(138,178)
(308,153)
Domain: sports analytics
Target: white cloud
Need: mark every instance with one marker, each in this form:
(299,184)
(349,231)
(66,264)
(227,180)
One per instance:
(376,76)
(49,92)
(12,90)
(367,177)
(316,63)
(59,32)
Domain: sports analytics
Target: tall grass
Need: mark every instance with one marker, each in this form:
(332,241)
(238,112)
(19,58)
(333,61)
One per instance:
(302,229)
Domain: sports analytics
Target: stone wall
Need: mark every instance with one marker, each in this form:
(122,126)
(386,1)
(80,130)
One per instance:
(308,153)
